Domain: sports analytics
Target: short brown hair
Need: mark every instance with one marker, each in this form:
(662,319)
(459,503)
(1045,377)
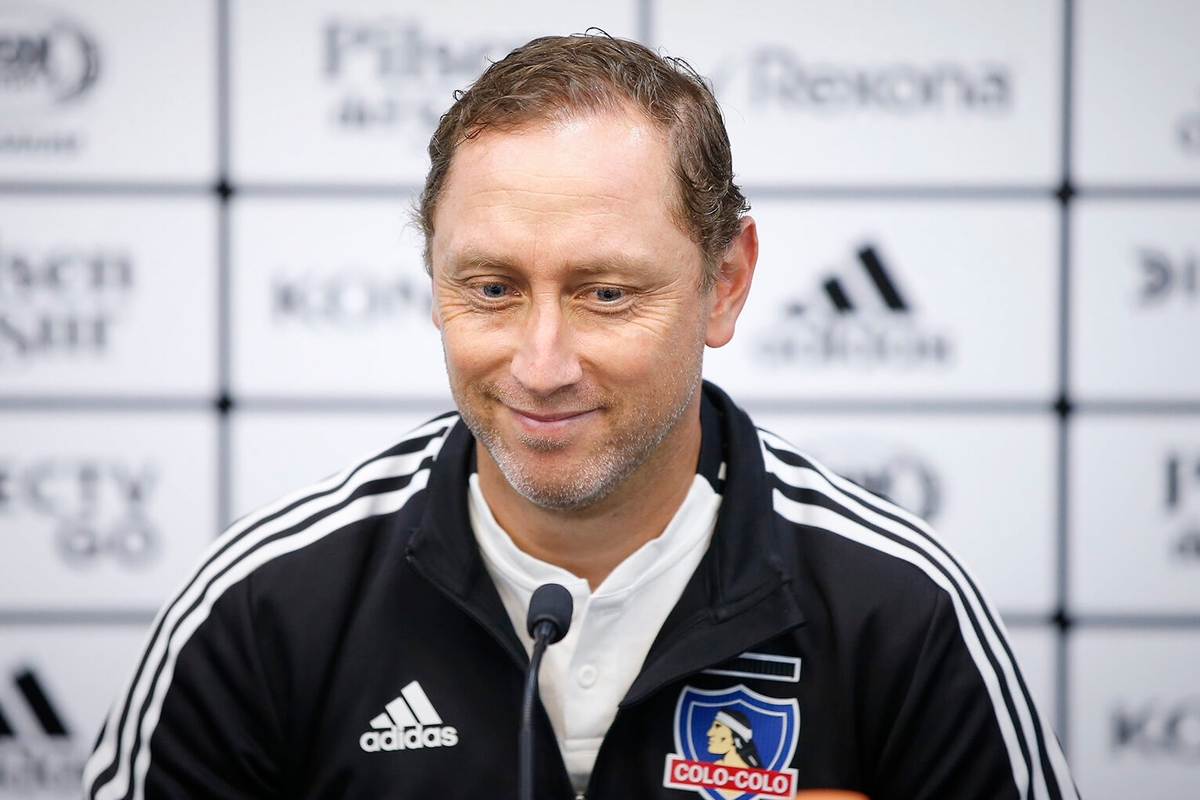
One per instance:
(595,72)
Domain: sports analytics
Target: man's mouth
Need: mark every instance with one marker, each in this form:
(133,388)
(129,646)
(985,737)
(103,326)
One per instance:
(549,421)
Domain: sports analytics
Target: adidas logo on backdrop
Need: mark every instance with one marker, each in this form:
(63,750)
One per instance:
(409,722)
(859,317)
(39,756)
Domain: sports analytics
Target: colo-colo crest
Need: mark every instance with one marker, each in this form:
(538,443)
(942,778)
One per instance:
(734,744)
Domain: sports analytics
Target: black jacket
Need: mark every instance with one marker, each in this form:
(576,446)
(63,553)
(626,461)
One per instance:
(347,642)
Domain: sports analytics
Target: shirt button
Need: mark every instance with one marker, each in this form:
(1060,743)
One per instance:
(587,676)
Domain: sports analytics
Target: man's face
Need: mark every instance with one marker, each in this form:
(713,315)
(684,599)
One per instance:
(569,303)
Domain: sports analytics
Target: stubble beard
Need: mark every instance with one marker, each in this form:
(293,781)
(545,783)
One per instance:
(599,474)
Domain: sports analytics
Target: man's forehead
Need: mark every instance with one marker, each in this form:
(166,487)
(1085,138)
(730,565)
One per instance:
(567,128)
(563,161)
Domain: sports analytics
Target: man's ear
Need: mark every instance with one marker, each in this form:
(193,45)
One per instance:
(733,284)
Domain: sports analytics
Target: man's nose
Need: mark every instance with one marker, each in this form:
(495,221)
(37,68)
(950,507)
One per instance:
(545,359)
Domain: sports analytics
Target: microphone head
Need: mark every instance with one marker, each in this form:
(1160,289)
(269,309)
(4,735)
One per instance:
(552,604)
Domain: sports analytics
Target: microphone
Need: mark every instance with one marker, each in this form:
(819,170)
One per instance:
(548,620)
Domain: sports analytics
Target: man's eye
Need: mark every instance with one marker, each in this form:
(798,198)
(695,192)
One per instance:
(609,294)
(493,290)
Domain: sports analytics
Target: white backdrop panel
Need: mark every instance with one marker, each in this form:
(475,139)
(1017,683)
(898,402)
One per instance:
(863,92)
(121,91)
(331,299)
(1135,714)
(103,510)
(277,453)
(357,90)
(985,483)
(1134,514)
(1135,300)
(879,299)
(77,670)
(882,285)
(108,296)
(1137,92)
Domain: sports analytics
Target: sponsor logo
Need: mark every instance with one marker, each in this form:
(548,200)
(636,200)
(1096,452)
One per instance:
(1157,730)
(38,756)
(733,744)
(48,62)
(1181,503)
(350,299)
(60,303)
(1187,131)
(45,58)
(98,506)
(859,317)
(1166,277)
(394,75)
(409,722)
(776,77)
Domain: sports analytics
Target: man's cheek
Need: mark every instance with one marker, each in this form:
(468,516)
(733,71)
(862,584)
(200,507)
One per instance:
(470,360)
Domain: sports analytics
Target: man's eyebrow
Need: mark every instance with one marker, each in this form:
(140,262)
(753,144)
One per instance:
(614,263)
(471,258)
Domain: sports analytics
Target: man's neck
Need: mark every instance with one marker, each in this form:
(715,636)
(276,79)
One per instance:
(590,542)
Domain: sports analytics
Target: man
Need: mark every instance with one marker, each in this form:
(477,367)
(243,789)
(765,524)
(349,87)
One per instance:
(366,637)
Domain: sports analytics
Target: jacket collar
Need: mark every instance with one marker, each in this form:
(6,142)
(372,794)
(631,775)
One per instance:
(739,596)
(742,592)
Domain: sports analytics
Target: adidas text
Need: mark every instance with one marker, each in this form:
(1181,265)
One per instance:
(409,738)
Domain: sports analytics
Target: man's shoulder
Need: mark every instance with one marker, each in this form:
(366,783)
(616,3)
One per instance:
(856,540)
(833,531)
(343,513)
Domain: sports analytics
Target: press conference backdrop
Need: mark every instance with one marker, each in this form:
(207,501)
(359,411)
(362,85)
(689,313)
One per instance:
(978,295)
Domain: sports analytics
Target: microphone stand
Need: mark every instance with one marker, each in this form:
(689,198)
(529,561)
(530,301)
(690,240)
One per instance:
(548,620)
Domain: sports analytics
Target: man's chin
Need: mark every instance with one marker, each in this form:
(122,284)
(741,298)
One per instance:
(558,496)
(539,477)
(542,445)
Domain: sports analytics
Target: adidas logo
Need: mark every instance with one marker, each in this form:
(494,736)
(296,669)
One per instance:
(38,754)
(38,704)
(872,288)
(859,316)
(409,722)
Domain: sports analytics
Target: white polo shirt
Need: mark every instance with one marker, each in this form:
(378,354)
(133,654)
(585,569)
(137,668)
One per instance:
(588,673)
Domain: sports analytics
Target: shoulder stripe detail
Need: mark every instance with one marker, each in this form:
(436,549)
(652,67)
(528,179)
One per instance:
(379,485)
(810,495)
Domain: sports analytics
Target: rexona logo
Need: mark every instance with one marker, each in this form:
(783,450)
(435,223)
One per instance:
(38,757)
(60,303)
(891,471)
(1181,502)
(349,299)
(1187,131)
(47,61)
(409,722)
(776,77)
(1157,730)
(1167,278)
(98,507)
(393,75)
(858,317)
